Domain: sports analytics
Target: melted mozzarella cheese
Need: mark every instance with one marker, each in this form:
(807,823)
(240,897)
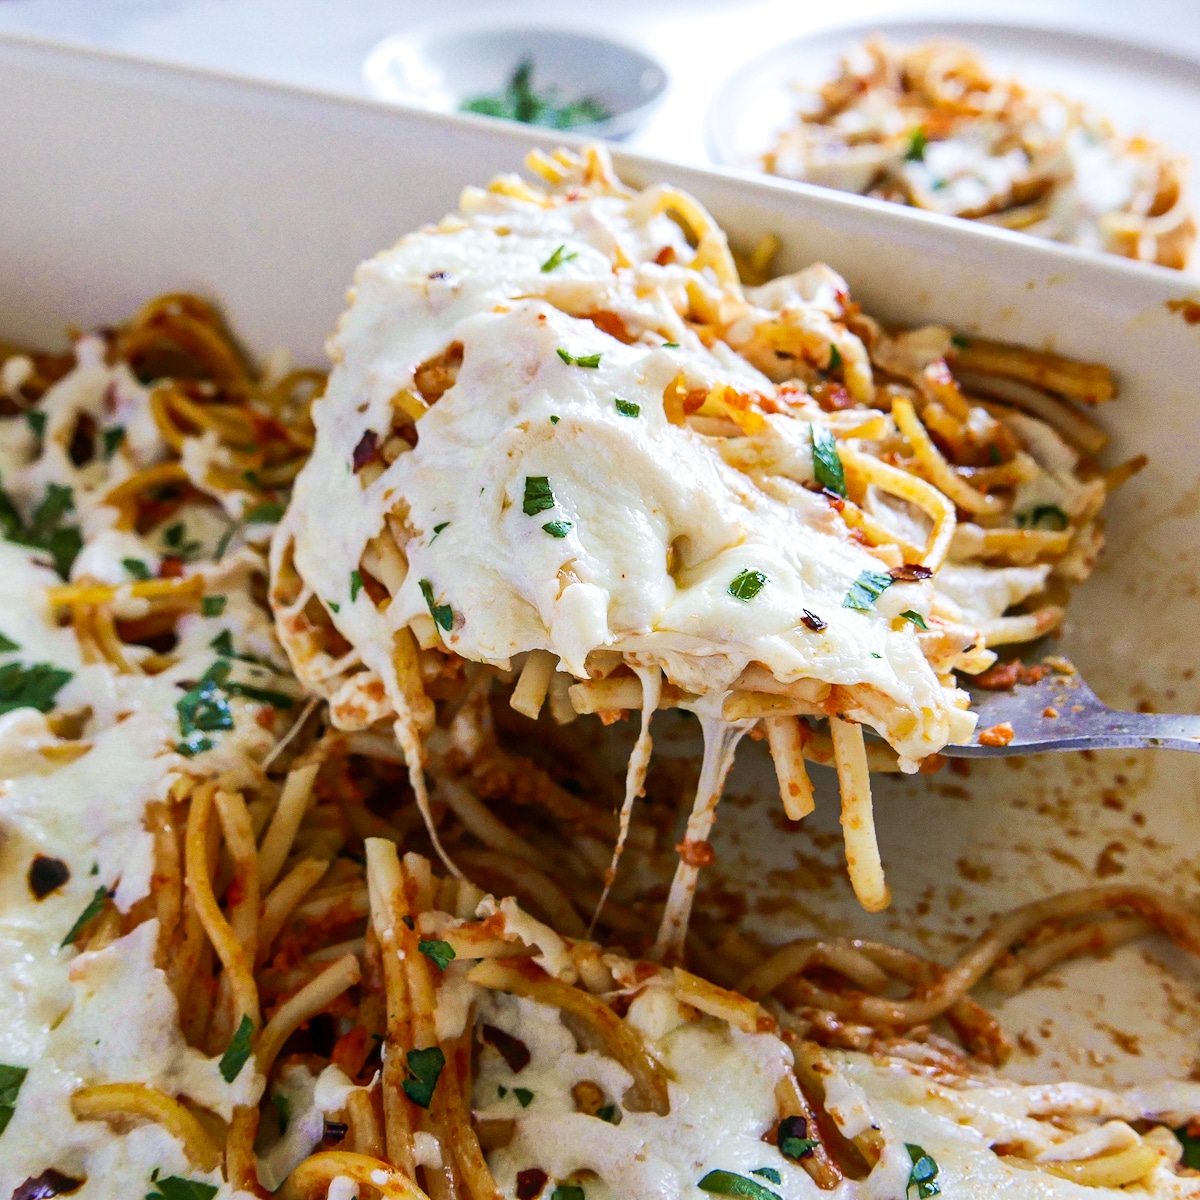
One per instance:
(959,1126)
(986,1135)
(655,520)
(76,1019)
(722,1093)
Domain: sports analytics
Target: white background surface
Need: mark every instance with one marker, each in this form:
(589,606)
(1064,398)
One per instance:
(322,43)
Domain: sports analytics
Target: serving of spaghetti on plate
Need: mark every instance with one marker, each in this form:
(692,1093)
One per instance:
(930,122)
(311,879)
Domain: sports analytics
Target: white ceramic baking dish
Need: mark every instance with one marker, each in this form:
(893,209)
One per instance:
(120,180)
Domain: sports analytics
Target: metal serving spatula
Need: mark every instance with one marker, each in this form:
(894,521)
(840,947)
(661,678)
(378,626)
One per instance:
(1060,712)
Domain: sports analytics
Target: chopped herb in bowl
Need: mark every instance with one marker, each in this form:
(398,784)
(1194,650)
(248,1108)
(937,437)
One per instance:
(520,101)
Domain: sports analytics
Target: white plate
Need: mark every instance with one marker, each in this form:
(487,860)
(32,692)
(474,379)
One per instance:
(124,180)
(1141,90)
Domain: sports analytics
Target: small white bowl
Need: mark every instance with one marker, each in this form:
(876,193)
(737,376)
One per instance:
(443,69)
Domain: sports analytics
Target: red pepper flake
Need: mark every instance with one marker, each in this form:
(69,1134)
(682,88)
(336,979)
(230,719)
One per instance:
(910,573)
(512,1050)
(997,735)
(832,397)
(334,1132)
(835,501)
(1001,677)
(666,256)
(47,875)
(1189,310)
(171,567)
(49,1183)
(366,450)
(1004,676)
(696,854)
(530,1183)
(812,621)
(1050,713)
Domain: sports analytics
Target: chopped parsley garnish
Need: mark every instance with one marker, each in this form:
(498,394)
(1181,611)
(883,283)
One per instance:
(554,420)
(835,358)
(959,342)
(670,345)
(827,462)
(174,1187)
(137,569)
(519,101)
(747,584)
(224,540)
(266,513)
(911,614)
(793,1140)
(608,1112)
(263,695)
(7,644)
(438,952)
(223,645)
(426,1067)
(283,1106)
(769,1174)
(557,529)
(212,606)
(557,259)
(1189,1141)
(175,536)
(866,589)
(30,687)
(193,744)
(627,408)
(923,1175)
(238,1050)
(11,1079)
(356,584)
(436,530)
(333,605)
(94,906)
(204,709)
(917,141)
(1044,516)
(567,1191)
(36,420)
(111,439)
(501,1091)
(591,361)
(524,1096)
(46,530)
(442,614)
(538,495)
(726,1183)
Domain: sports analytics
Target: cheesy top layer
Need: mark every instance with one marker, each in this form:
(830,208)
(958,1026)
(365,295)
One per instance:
(552,503)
